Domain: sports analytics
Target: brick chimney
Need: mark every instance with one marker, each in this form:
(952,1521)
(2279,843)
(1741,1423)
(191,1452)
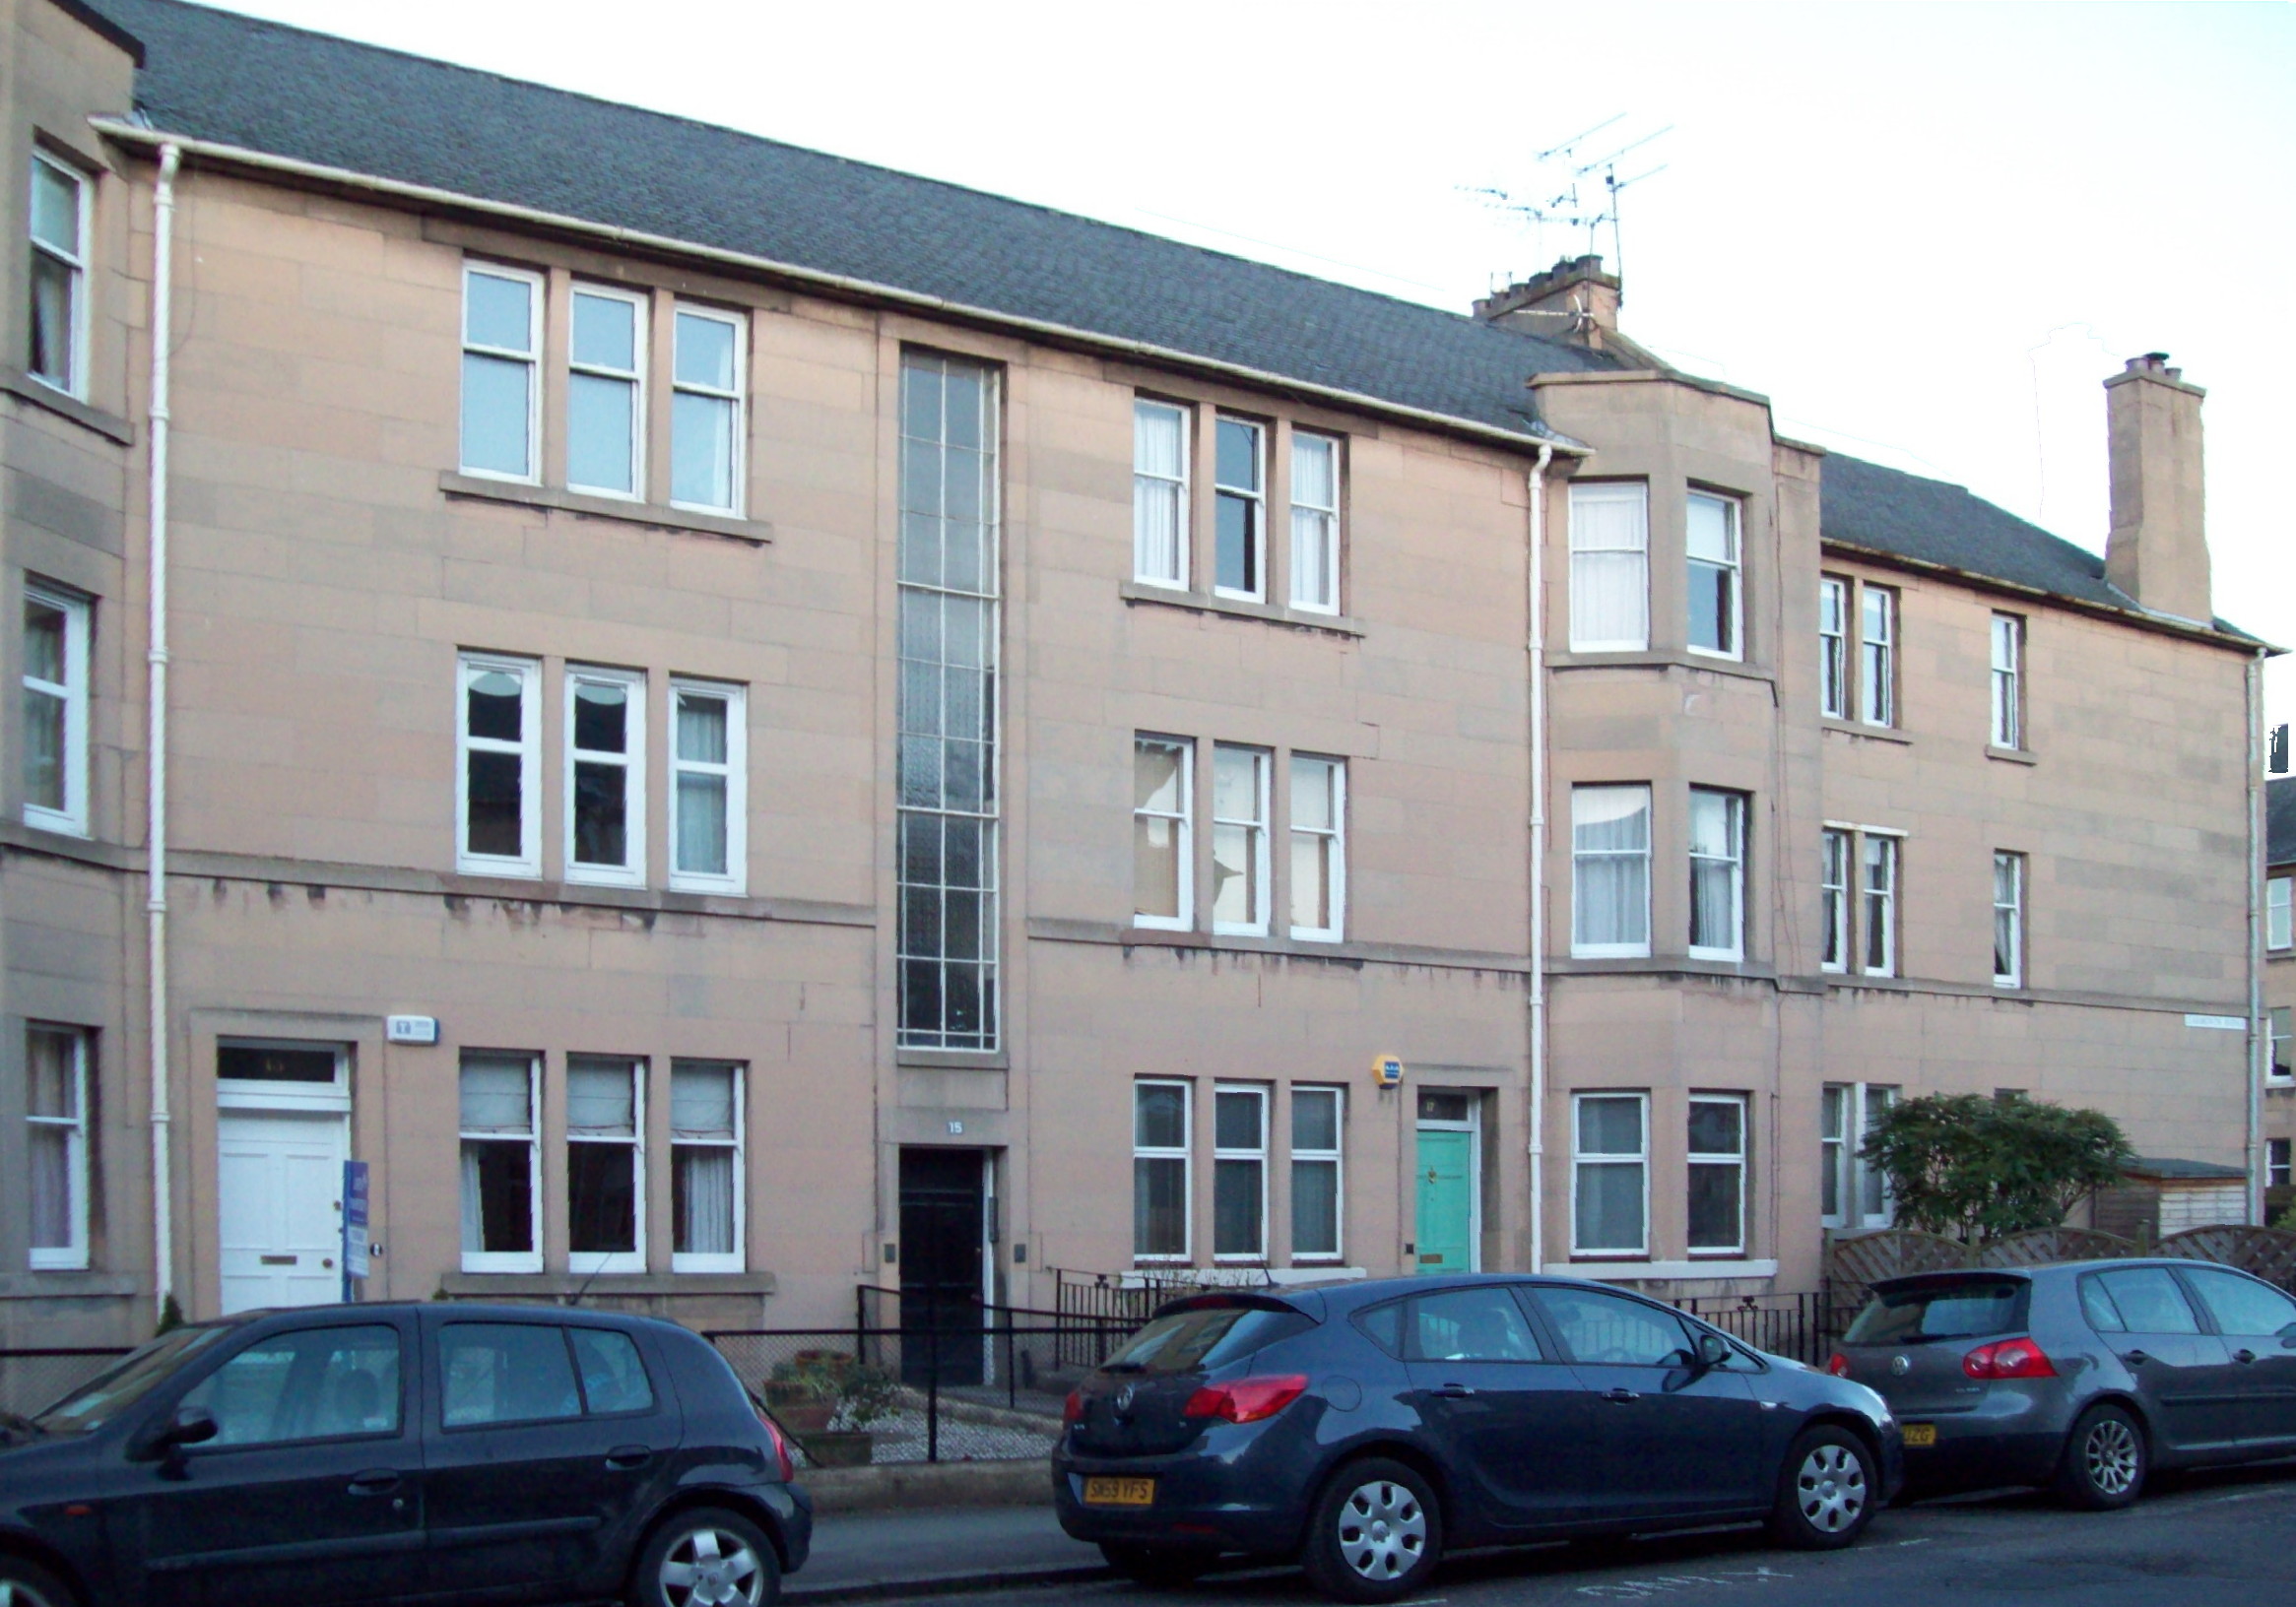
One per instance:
(1573,301)
(2158,551)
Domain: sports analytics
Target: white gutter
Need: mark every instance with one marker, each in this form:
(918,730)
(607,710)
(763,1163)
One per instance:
(2260,1036)
(426,195)
(156,728)
(1538,612)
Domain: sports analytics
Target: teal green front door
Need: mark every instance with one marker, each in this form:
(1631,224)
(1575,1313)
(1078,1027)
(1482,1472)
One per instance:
(1446,1201)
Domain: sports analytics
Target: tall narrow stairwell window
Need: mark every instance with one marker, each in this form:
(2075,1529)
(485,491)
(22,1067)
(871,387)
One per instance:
(948,639)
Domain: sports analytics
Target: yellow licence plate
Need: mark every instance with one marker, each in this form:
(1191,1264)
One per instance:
(1119,1492)
(1921,1434)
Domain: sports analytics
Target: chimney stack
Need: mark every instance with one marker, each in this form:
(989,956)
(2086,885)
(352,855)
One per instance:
(2158,551)
(1573,301)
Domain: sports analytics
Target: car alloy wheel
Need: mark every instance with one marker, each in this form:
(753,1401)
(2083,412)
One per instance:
(22,1584)
(1383,1530)
(1830,1488)
(2108,1455)
(710,1566)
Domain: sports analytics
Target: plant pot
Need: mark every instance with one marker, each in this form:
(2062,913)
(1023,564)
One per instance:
(803,1416)
(849,1450)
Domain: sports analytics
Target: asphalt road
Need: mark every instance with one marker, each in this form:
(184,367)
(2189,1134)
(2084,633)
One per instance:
(2209,1540)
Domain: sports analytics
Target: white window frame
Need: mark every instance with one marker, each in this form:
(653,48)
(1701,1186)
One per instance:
(1741,1159)
(509,1261)
(1336,1158)
(634,763)
(1315,526)
(2014,909)
(1873,1099)
(1259,1092)
(736,472)
(1185,1154)
(79,618)
(592,1263)
(1733,521)
(1735,815)
(75,383)
(1837,909)
(529,750)
(1184,844)
(736,772)
(2280,913)
(1184,422)
(2279,1029)
(1877,659)
(2007,635)
(71,1257)
(1581,1157)
(1256,496)
(1583,557)
(1835,697)
(531,357)
(1837,1105)
(1335,840)
(1879,909)
(1256,837)
(735,1260)
(635,377)
(1579,947)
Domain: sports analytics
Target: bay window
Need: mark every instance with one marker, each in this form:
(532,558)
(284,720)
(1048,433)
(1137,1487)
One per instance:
(1718,1174)
(56,1142)
(1717,603)
(1717,868)
(1610,1174)
(55,710)
(1609,568)
(1610,872)
(58,325)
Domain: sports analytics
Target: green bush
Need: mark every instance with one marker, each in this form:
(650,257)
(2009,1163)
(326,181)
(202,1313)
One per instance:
(1972,1168)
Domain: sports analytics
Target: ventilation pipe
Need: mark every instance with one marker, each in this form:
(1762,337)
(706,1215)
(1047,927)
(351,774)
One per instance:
(156,730)
(1537,644)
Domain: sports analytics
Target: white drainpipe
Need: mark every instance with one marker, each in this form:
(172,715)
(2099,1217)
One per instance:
(2259,1033)
(1537,611)
(156,727)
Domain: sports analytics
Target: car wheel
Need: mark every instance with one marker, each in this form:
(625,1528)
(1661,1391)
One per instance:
(706,1557)
(28,1584)
(2104,1461)
(1376,1534)
(1164,1567)
(1826,1490)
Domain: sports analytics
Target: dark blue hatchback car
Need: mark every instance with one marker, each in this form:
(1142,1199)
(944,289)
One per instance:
(386,1453)
(1363,1428)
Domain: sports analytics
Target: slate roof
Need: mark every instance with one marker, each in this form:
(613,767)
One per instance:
(218,75)
(2281,820)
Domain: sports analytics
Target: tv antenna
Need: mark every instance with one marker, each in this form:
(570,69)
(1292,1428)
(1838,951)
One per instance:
(1575,191)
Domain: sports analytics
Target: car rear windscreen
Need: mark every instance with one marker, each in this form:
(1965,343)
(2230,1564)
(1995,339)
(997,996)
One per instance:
(1198,1340)
(1963,1309)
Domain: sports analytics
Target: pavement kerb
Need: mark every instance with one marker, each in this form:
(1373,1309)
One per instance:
(891,1486)
(947,1584)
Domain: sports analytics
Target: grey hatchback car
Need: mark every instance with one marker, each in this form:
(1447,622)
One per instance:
(2083,1376)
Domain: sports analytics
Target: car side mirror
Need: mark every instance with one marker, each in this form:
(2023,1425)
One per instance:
(190,1426)
(1713,1352)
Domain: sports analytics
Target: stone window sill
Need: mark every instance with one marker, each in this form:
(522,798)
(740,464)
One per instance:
(1871,734)
(110,425)
(1713,663)
(559,1285)
(1339,625)
(2013,755)
(954,1060)
(652,515)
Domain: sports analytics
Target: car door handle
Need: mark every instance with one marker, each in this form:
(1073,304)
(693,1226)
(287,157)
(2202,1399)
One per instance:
(2244,1355)
(629,1456)
(2135,1358)
(379,1482)
(1620,1396)
(1452,1391)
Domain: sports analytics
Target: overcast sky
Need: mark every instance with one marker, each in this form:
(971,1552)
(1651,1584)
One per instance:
(1927,231)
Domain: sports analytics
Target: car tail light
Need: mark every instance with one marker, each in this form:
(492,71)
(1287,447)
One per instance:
(1246,1400)
(2009,1359)
(1838,1365)
(773,1433)
(1071,1410)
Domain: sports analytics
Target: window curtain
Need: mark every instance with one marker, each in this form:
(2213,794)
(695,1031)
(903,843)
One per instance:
(473,1221)
(1714,855)
(1157,522)
(1609,568)
(1315,494)
(496,1096)
(1610,842)
(706,1186)
(601,1099)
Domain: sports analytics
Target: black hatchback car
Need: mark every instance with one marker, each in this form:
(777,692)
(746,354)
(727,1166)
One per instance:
(379,1453)
(1363,1428)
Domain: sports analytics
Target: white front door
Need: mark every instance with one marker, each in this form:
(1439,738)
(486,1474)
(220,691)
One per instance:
(280,1207)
